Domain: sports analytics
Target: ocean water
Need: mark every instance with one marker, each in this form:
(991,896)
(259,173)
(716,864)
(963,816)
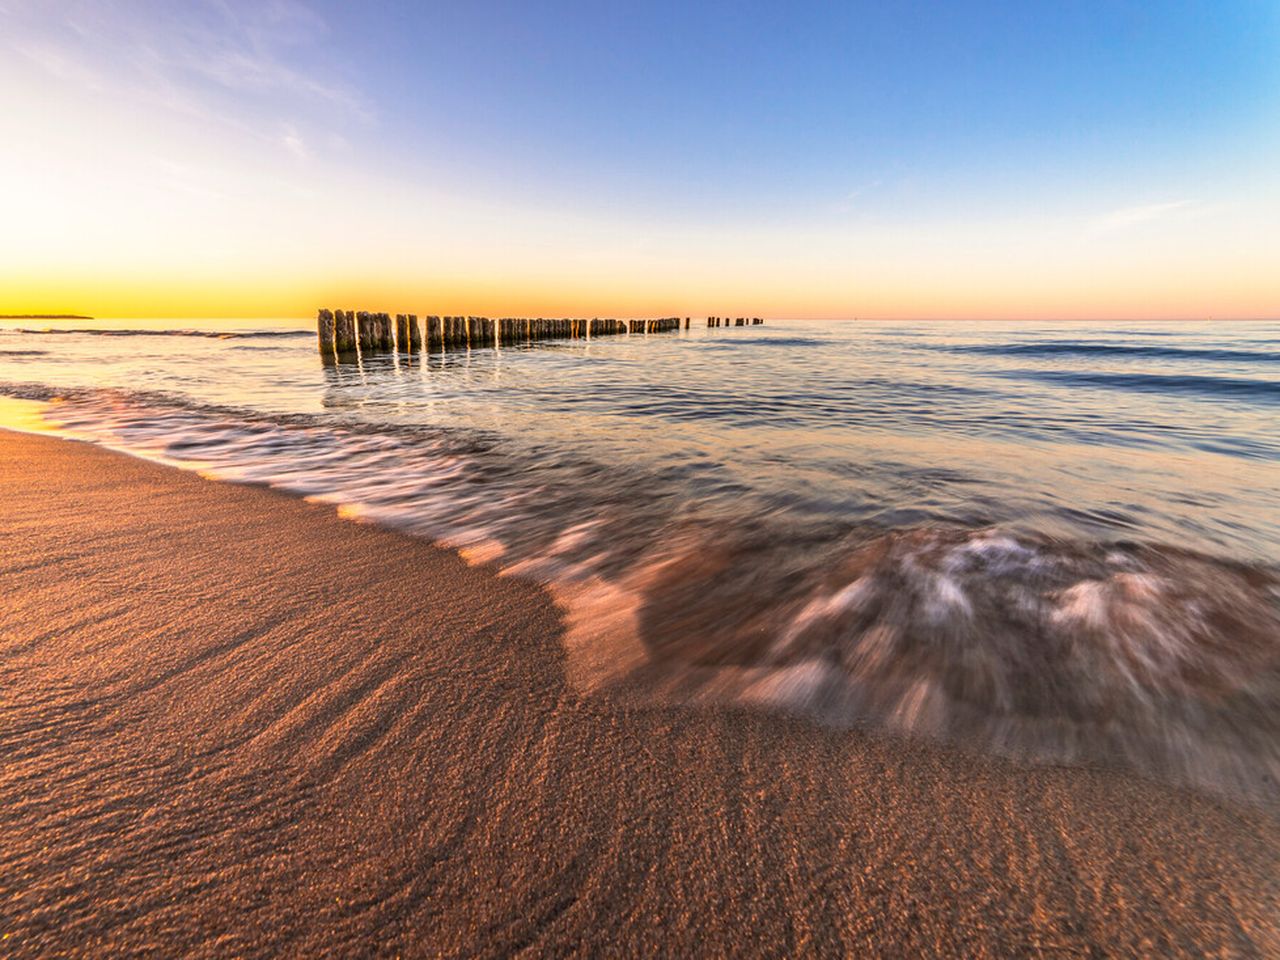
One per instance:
(1056,541)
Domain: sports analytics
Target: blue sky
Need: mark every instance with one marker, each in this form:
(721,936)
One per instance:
(544,136)
(730,108)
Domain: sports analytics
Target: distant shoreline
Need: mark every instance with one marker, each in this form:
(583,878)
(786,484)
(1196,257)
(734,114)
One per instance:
(43,316)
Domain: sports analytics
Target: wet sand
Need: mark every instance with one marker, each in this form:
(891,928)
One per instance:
(233,724)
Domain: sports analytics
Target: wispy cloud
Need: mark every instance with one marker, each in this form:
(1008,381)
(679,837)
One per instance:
(1141,213)
(295,144)
(246,66)
(851,198)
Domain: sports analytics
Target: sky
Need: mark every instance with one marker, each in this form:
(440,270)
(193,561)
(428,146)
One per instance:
(965,159)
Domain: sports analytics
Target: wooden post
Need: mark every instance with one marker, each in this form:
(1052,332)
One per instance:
(344,332)
(325,332)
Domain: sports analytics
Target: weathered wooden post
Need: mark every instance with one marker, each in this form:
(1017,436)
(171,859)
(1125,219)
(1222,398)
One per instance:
(325,332)
(415,334)
(344,332)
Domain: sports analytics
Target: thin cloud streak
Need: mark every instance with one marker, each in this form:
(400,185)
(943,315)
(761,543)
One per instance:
(214,61)
(1132,216)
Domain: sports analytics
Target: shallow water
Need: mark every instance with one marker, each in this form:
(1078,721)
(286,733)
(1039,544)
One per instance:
(1057,540)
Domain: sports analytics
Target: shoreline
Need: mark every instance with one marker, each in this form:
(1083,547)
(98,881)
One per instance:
(237,723)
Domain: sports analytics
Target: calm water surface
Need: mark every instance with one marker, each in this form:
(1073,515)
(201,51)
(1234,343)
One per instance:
(1055,540)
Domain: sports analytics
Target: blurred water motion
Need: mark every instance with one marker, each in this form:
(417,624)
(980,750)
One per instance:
(1055,540)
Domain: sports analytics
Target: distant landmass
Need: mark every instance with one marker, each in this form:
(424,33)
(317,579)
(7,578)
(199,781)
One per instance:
(43,316)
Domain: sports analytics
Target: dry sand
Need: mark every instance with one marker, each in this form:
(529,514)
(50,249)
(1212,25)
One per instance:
(233,724)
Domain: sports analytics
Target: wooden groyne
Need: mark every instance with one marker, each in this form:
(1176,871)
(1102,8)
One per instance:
(345,333)
(733,321)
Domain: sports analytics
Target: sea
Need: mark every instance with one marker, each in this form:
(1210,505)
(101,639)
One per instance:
(1053,541)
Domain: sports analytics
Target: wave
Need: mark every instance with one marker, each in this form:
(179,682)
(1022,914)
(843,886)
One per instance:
(1142,656)
(767,342)
(1148,656)
(1057,348)
(1236,388)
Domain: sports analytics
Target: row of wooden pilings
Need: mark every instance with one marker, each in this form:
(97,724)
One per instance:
(733,322)
(345,331)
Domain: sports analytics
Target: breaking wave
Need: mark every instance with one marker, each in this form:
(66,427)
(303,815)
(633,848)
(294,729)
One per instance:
(1053,649)
(1158,659)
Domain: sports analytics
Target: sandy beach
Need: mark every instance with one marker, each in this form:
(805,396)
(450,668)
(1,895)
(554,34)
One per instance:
(233,724)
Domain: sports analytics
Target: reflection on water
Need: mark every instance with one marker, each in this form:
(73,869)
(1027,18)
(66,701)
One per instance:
(1054,540)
